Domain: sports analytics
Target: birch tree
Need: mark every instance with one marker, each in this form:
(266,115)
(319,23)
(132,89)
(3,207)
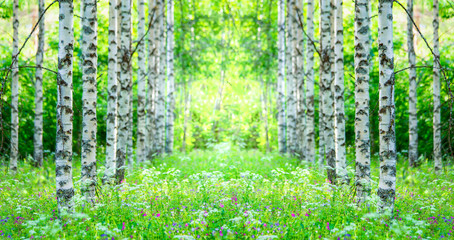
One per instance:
(436,91)
(112,83)
(299,83)
(38,122)
(141,85)
(291,73)
(362,63)
(123,97)
(339,119)
(63,151)
(89,94)
(387,182)
(326,80)
(160,87)
(15,91)
(281,76)
(310,103)
(152,78)
(170,78)
(412,100)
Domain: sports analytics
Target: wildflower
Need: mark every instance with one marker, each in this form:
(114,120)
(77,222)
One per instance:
(327,226)
(293,215)
(123,227)
(158,214)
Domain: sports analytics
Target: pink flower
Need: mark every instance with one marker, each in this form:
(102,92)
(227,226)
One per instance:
(186,224)
(264,224)
(221,205)
(293,215)
(158,214)
(327,226)
(123,228)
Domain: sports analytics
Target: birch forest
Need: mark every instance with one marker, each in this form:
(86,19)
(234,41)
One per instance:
(226,119)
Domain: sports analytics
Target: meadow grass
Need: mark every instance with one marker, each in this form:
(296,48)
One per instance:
(227,193)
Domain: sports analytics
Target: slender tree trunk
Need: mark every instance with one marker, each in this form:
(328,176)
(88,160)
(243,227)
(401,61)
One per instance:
(38,133)
(170,79)
(387,184)
(436,92)
(152,78)
(141,86)
(89,86)
(280,78)
(341,159)
(63,151)
(160,87)
(112,81)
(327,86)
(15,91)
(413,117)
(291,77)
(300,81)
(310,102)
(123,97)
(362,58)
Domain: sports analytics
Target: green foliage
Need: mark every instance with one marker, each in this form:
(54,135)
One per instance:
(239,194)
(226,37)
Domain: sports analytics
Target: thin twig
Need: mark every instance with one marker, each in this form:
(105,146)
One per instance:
(302,28)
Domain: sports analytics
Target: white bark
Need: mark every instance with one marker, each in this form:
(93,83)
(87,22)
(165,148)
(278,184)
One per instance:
(15,91)
(160,86)
(299,83)
(89,94)
(310,104)
(123,97)
(38,122)
(152,78)
(291,76)
(170,79)
(436,92)
(341,160)
(63,151)
(280,77)
(362,63)
(141,86)
(413,117)
(112,86)
(327,87)
(387,182)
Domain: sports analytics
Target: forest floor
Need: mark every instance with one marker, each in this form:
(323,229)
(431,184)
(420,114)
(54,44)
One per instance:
(226,193)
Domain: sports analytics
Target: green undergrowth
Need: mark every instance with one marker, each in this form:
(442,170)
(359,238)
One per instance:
(226,193)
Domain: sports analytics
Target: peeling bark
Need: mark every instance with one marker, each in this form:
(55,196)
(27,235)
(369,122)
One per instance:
(280,77)
(436,91)
(63,150)
(141,86)
(387,183)
(310,102)
(38,122)
(362,78)
(15,91)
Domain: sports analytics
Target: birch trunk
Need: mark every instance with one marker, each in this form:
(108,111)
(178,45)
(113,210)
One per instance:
(160,87)
(310,103)
(362,63)
(187,87)
(63,151)
(112,82)
(327,86)
(15,91)
(299,83)
(38,133)
(436,92)
(341,160)
(280,78)
(141,85)
(89,93)
(387,182)
(413,117)
(291,76)
(170,79)
(152,78)
(123,96)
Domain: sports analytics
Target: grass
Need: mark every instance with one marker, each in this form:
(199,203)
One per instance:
(227,193)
